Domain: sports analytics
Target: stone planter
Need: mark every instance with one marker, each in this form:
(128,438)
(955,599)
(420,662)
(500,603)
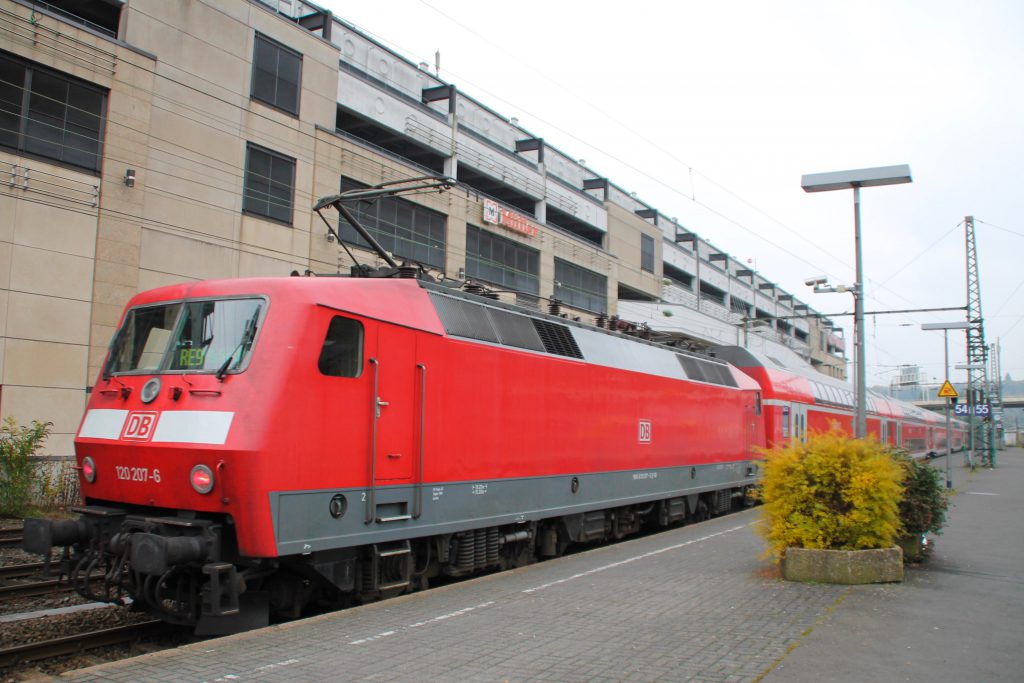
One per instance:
(843,566)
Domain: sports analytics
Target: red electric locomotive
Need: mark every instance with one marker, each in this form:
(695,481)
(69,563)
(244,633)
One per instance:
(255,444)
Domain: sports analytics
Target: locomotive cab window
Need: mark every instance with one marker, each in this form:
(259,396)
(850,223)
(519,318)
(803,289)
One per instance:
(342,352)
(141,342)
(194,336)
(215,334)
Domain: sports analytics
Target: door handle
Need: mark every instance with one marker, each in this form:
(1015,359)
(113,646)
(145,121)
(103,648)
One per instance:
(381,404)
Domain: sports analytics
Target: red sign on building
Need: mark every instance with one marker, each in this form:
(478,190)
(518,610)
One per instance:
(496,215)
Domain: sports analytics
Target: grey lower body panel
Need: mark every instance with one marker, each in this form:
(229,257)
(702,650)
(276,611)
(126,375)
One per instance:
(304,523)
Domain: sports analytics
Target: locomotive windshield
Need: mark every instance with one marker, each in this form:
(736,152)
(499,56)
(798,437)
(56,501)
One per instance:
(194,336)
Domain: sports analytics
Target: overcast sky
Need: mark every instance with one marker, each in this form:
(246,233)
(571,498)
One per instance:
(712,111)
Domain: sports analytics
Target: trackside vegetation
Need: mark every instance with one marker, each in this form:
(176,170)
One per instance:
(21,478)
(832,492)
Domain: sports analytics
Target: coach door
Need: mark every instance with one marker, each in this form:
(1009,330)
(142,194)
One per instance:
(798,414)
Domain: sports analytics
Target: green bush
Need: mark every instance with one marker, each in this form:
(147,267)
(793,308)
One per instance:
(925,501)
(19,480)
(831,492)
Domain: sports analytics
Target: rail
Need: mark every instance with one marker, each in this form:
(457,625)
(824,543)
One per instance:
(69,645)
(11,536)
(15,571)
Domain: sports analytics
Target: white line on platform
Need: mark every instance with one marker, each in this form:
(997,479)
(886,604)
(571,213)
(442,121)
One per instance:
(467,610)
(979,493)
(595,570)
(442,617)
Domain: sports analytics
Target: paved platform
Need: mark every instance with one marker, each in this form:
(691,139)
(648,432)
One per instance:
(692,604)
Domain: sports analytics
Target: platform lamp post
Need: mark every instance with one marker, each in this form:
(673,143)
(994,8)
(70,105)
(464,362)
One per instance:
(856,179)
(946,327)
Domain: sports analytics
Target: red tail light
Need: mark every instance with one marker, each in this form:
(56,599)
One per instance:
(201,479)
(88,469)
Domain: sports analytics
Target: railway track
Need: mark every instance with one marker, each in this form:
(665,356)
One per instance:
(11,536)
(16,571)
(74,644)
(35,589)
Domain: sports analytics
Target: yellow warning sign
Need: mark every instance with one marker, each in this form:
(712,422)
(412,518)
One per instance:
(947,390)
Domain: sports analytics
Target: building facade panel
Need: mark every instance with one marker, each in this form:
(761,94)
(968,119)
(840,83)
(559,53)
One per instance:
(31,363)
(50,273)
(32,317)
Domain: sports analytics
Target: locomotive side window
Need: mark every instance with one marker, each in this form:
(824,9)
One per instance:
(342,352)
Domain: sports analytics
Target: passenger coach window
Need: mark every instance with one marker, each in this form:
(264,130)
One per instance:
(342,353)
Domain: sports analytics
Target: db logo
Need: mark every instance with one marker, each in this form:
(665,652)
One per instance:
(644,434)
(139,426)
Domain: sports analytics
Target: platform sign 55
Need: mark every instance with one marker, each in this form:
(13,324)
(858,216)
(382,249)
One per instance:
(980,410)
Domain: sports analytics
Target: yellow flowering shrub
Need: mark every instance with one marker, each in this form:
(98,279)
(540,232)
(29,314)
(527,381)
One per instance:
(832,492)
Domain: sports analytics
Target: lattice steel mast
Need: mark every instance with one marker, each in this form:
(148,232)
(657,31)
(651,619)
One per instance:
(977,354)
(996,395)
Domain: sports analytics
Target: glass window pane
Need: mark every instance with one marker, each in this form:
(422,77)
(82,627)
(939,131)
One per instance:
(269,185)
(342,351)
(276,72)
(142,341)
(12,83)
(215,334)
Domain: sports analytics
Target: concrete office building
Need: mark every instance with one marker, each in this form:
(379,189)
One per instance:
(145,142)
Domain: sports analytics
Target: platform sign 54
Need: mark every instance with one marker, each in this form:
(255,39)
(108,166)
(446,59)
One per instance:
(980,410)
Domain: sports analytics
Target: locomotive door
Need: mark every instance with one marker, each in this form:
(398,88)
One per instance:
(396,409)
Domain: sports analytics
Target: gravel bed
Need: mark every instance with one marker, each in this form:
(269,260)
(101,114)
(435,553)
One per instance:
(12,555)
(46,628)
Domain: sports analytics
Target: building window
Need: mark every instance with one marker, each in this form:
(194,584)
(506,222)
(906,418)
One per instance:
(647,253)
(580,288)
(269,184)
(276,75)
(51,115)
(501,261)
(403,228)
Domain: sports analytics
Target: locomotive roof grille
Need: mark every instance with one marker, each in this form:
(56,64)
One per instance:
(557,339)
(464,319)
(516,330)
(469,319)
(701,370)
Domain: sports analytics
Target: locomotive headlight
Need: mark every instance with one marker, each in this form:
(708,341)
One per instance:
(150,390)
(88,469)
(201,478)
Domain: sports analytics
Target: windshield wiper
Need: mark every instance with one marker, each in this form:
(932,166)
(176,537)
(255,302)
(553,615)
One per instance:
(243,346)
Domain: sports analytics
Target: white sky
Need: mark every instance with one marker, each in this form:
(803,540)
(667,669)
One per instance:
(730,102)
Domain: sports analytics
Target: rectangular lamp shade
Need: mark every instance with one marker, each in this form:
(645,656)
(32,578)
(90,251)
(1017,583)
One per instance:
(861,177)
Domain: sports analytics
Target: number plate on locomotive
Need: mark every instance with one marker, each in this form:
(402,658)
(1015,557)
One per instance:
(137,474)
